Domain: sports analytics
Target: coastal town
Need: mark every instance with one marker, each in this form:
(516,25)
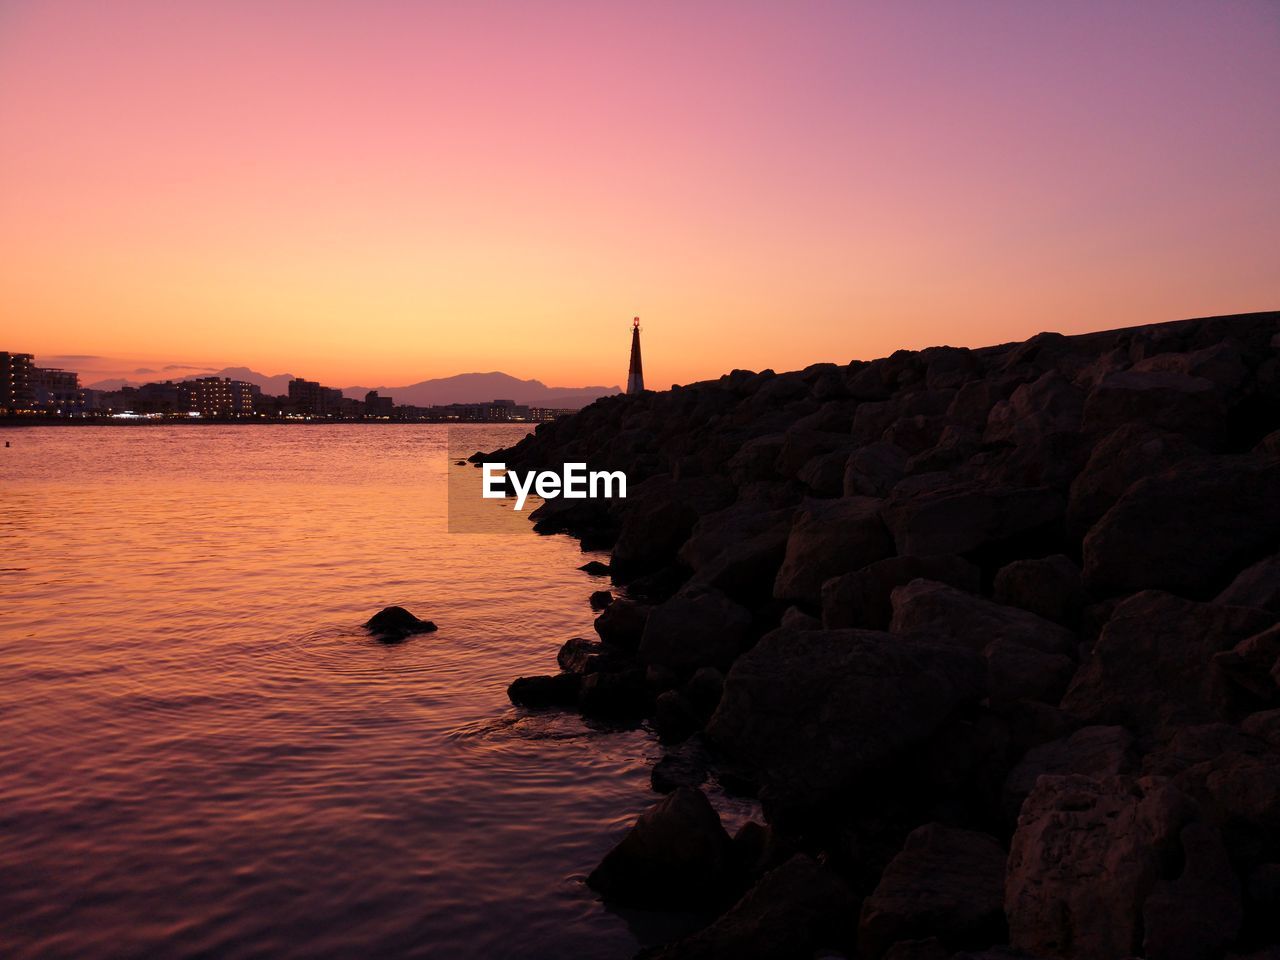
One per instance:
(35,394)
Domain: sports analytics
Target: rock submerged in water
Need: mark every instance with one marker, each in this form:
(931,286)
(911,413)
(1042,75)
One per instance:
(941,605)
(392,624)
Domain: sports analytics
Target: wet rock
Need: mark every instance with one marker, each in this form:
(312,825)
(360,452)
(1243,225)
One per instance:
(688,632)
(682,766)
(927,608)
(622,624)
(815,710)
(600,599)
(396,623)
(1188,530)
(674,718)
(1096,752)
(828,538)
(1085,856)
(1151,668)
(621,696)
(863,598)
(677,856)
(1198,915)
(947,883)
(760,848)
(595,568)
(580,655)
(1257,586)
(1051,588)
(555,690)
(790,914)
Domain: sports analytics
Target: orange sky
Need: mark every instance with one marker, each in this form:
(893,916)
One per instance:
(380,192)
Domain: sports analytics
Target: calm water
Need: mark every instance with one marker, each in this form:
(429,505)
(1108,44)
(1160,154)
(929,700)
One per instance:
(201,754)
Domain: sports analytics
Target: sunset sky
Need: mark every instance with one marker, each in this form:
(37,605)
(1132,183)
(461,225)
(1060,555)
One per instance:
(376,192)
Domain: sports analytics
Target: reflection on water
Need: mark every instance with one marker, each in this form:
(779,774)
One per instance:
(202,754)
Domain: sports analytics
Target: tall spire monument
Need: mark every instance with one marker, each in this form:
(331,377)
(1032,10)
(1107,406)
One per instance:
(635,375)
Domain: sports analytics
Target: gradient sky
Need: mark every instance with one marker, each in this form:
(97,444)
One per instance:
(378,192)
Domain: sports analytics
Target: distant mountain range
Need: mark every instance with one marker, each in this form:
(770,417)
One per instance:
(463,388)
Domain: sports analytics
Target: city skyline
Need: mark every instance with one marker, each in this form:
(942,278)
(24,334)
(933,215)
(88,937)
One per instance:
(346,188)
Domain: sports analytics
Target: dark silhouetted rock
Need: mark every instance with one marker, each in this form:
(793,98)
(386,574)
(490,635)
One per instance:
(660,515)
(1188,530)
(595,568)
(1198,915)
(1017,672)
(1035,411)
(580,655)
(947,883)
(962,518)
(621,696)
(828,538)
(396,623)
(1151,668)
(1250,667)
(873,470)
(682,766)
(791,913)
(674,718)
(1164,399)
(1050,587)
(677,856)
(688,632)
(600,599)
(738,550)
(1124,457)
(814,710)
(621,624)
(704,690)
(927,608)
(1097,752)
(1257,586)
(862,598)
(555,690)
(1085,857)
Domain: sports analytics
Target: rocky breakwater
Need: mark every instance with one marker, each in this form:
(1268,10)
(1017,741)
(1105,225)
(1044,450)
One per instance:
(992,633)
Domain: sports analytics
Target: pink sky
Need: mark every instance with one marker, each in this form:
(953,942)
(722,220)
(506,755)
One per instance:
(379,192)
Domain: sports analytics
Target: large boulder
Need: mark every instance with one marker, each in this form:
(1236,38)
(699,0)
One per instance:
(790,914)
(1085,856)
(621,624)
(863,598)
(813,711)
(964,518)
(677,856)
(392,624)
(828,538)
(1096,752)
(1151,668)
(1256,586)
(659,516)
(1251,670)
(687,632)
(946,883)
(1049,587)
(1188,530)
(927,608)
(1196,916)
(738,550)
(873,470)
(1165,399)
(1037,410)
(1118,461)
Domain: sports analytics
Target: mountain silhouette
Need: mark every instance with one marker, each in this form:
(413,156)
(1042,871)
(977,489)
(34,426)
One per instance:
(480,387)
(462,388)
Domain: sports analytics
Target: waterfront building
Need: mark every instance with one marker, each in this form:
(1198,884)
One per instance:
(378,408)
(214,397)
(56,391)
(15,382)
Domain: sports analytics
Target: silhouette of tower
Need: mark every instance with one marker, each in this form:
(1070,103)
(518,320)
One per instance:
(635,375)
